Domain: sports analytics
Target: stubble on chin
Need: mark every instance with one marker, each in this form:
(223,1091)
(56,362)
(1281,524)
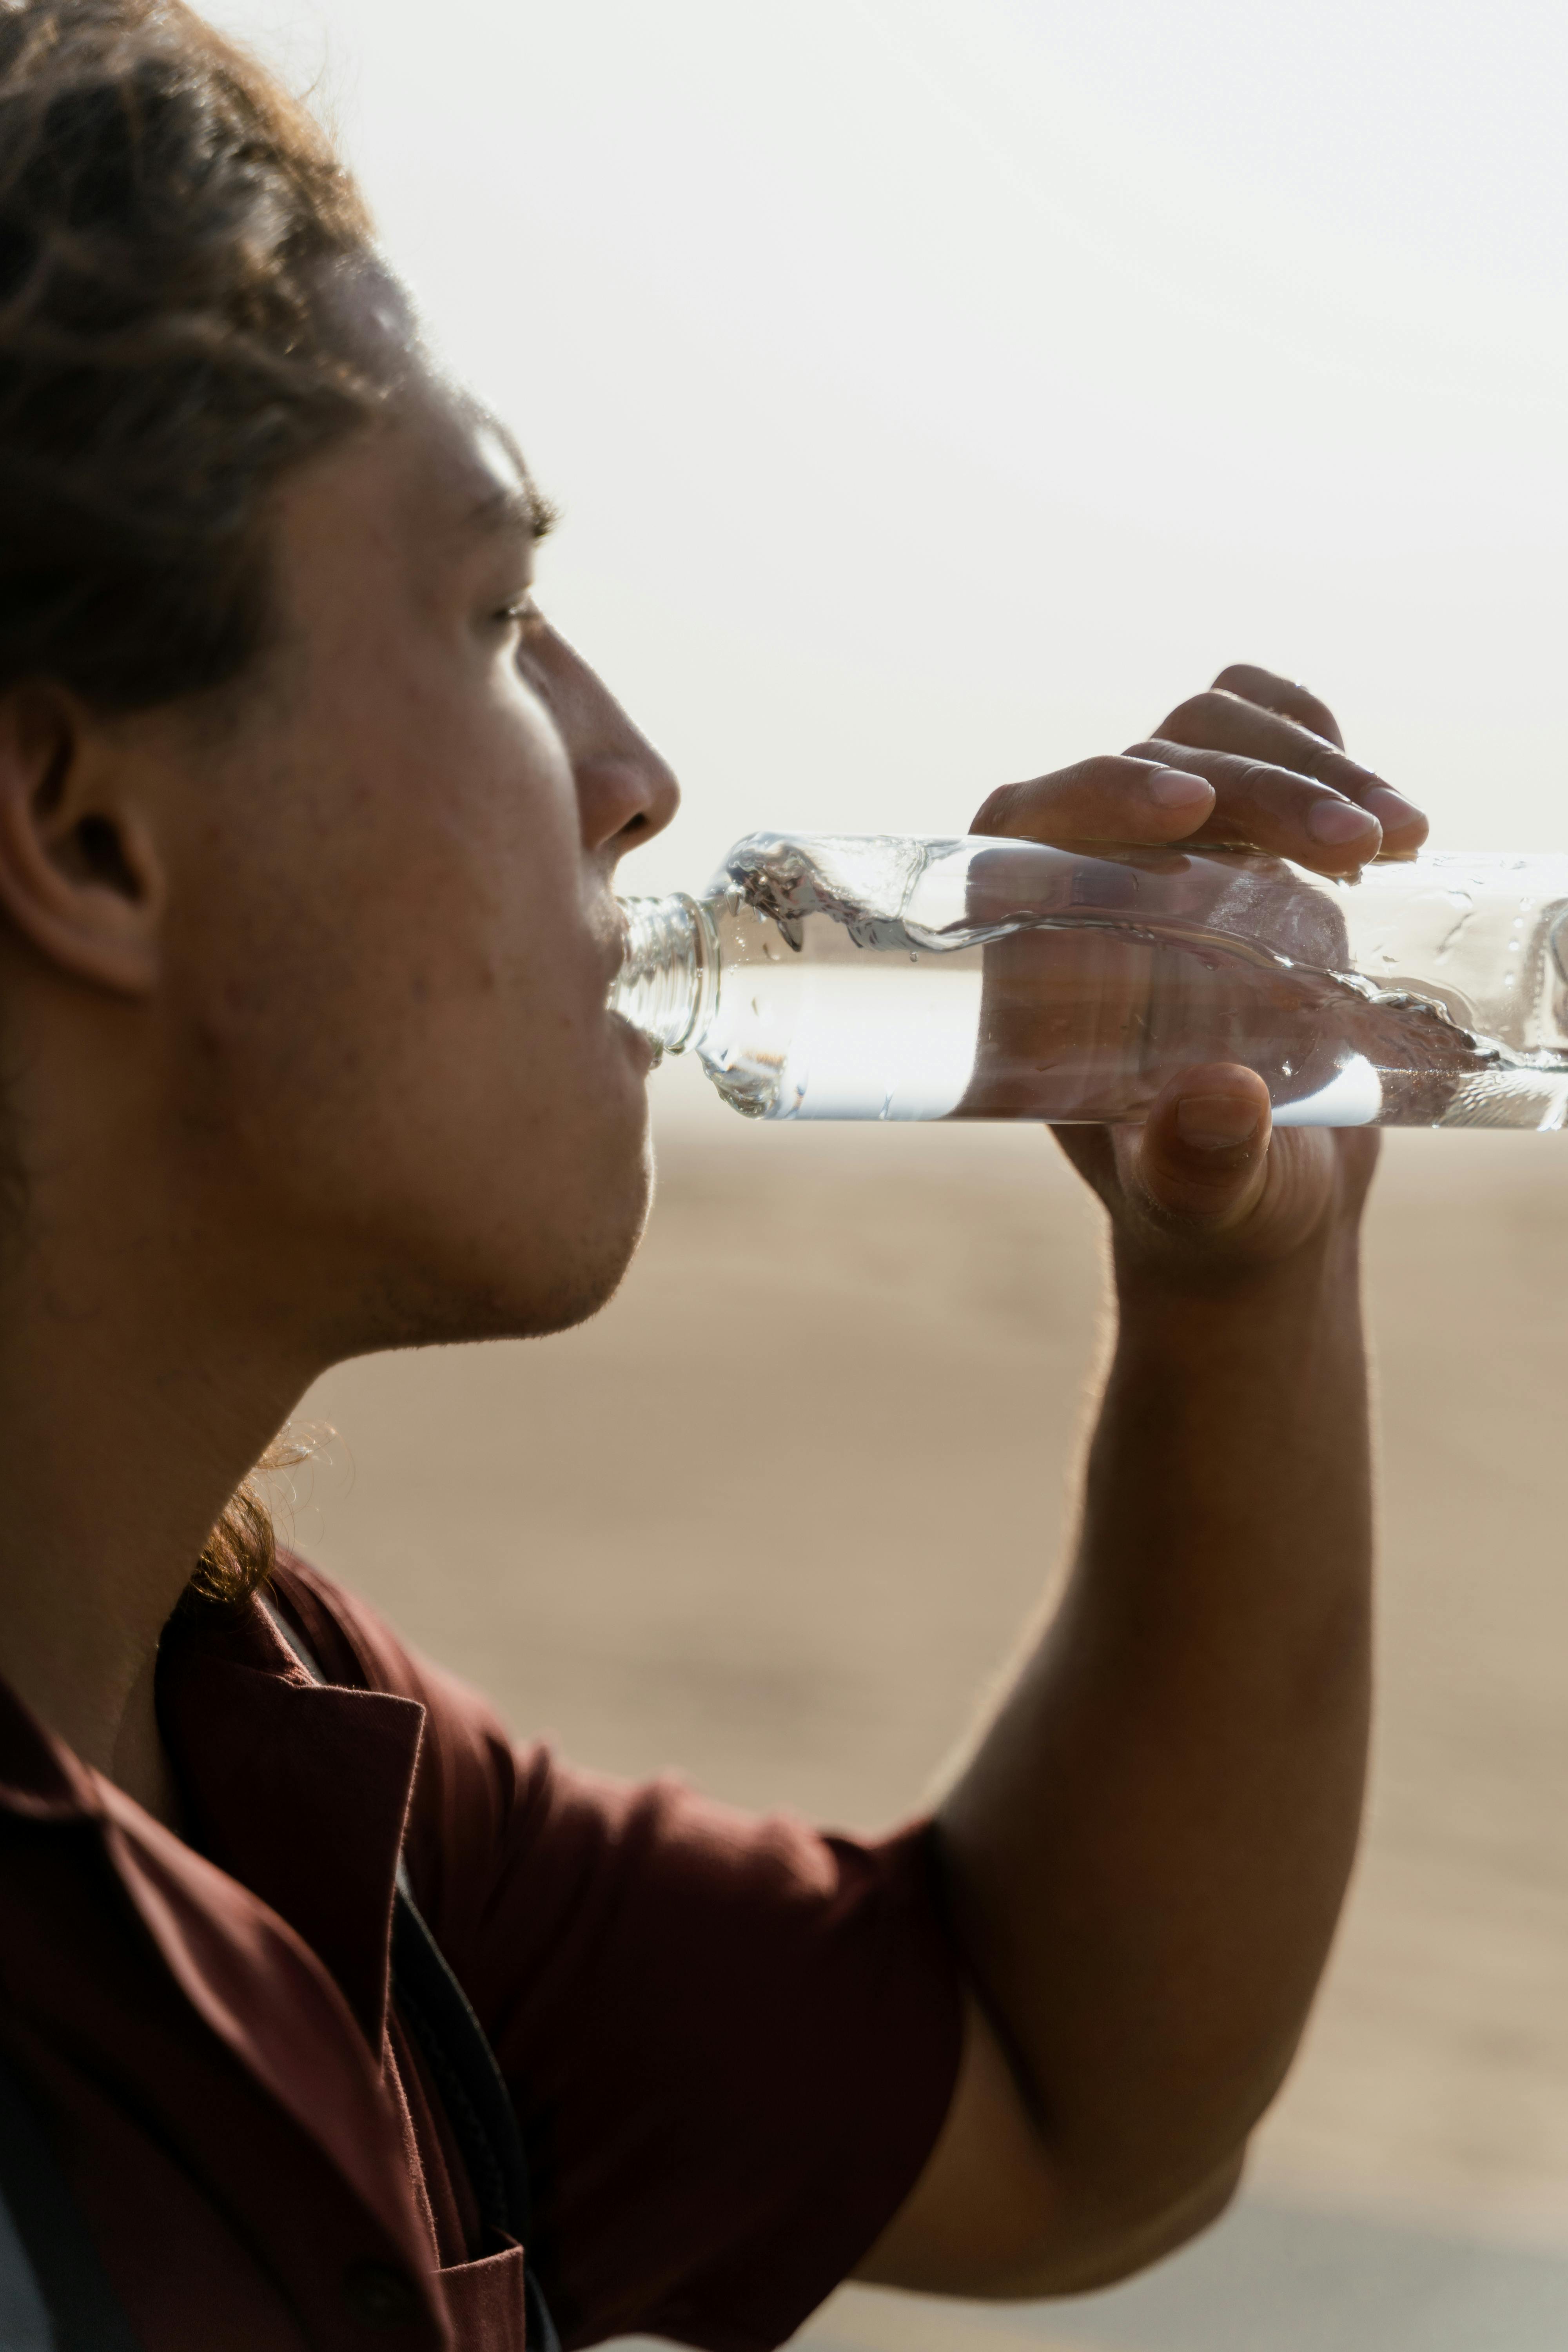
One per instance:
(525,1286)
(593,1265)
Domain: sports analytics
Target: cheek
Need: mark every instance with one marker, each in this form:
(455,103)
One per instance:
(448,820)
(390,958)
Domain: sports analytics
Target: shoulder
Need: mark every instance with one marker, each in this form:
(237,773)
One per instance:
(731,2038)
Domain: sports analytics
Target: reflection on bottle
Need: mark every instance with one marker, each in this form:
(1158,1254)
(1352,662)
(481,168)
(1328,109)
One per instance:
(1352,1097)
(889,978)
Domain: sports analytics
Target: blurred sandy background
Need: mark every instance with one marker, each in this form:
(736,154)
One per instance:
(779,1515)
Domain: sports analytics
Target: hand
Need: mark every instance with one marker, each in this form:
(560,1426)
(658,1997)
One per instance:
(1256,761)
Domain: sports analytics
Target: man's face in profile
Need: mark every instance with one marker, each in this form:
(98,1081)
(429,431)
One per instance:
(391,927)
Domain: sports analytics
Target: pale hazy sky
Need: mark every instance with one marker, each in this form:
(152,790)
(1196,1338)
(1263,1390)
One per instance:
(937,390)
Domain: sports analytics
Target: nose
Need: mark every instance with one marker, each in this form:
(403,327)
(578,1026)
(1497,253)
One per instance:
(627,792)
(624,796)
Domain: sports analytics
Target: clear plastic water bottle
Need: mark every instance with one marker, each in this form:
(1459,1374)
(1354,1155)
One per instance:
(842,977)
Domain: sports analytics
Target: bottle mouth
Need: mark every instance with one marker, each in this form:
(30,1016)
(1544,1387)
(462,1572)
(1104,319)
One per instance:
(667,984)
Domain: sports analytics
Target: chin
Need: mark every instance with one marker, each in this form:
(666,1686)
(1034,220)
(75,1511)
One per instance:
(582,1282)
(537,1269)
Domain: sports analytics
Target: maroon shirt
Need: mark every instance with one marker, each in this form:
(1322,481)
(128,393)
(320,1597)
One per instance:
(731,2040)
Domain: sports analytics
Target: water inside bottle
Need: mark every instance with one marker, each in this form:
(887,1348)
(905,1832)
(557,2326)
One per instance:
(824,1013)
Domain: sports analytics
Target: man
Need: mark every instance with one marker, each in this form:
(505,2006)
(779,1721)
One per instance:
(309,824)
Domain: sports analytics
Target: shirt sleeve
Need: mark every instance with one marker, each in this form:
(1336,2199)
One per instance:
(732,2040)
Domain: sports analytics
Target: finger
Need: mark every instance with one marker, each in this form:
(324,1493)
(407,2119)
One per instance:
(1222,722)
(1202,1153)
(1278,810)
(1111,799)
(1281,694)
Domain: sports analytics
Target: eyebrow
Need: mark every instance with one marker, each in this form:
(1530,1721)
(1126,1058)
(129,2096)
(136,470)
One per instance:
(520,506)
(516,508)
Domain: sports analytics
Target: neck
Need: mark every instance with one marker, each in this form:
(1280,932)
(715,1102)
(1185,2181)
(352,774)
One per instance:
(132,1405)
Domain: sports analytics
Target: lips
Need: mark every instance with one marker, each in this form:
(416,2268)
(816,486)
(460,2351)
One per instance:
(616,950)
(642,1048)
(607,925)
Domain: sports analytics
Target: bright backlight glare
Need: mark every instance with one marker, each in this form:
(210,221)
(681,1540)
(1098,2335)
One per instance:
(938,390)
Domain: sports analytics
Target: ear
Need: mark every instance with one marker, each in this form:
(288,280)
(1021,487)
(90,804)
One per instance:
(79,876)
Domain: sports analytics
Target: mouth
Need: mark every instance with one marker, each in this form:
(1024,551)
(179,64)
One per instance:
(610,936)
(640,1048)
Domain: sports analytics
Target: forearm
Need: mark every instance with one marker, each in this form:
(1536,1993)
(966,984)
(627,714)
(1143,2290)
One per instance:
(1148,1853)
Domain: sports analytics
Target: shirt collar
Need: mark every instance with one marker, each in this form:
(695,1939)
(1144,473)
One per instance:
(298,1789)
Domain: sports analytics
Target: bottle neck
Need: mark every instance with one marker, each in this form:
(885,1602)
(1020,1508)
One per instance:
(668,985)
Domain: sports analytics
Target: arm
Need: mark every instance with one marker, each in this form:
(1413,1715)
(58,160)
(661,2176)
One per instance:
(1147,1852)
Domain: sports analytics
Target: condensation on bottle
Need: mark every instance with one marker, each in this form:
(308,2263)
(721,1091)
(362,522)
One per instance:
(885,977)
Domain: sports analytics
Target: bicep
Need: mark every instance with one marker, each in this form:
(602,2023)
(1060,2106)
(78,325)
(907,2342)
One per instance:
(993,2214)
(987,2193)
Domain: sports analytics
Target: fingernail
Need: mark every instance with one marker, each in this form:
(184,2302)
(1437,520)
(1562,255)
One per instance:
(1336,822)
(1175,788)
(1217,1122)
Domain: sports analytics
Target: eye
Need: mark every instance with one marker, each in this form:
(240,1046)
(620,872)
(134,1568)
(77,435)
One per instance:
(523,640)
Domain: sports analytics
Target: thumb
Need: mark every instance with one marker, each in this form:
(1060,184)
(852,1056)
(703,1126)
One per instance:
(1203,1153)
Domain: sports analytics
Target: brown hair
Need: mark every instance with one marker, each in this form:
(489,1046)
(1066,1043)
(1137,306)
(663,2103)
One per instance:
(176,233)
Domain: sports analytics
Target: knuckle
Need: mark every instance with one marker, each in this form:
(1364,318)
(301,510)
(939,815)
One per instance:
(1316,757)
(1198,712)
(1235,777)
(1250,680)
(997,809)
